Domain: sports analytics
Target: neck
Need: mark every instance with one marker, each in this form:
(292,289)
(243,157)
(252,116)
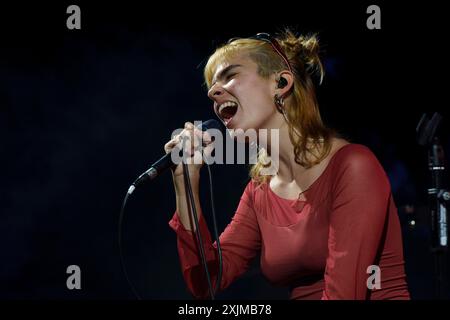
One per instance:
(288,169)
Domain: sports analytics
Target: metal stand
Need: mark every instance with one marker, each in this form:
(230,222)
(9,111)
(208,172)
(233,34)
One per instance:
(439,199)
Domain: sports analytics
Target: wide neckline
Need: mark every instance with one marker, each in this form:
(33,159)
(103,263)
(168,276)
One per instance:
(315,181)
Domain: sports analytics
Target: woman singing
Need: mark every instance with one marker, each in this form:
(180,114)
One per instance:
(326,220)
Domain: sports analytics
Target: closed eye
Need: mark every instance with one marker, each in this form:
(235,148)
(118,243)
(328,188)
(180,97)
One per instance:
(230,76)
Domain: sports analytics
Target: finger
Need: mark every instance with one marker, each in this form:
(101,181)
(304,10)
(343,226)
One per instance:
(183,135)
(170,145)
(198,132)
(193,137)
(189,152)
(195,158)
(198,137)
(207,154)
(187,143)
(206,137)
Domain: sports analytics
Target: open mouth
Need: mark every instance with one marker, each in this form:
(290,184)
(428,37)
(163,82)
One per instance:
(227,111)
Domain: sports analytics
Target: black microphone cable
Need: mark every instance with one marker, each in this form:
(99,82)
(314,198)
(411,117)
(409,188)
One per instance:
(191,204)
(216,233)
(197,229)
(122,262)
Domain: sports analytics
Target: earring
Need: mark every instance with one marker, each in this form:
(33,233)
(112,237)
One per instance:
(279,103)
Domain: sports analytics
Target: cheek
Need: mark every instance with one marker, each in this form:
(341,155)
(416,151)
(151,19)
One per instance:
(251,94)
(259,101)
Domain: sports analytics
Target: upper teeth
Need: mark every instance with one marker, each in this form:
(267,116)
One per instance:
(227,104)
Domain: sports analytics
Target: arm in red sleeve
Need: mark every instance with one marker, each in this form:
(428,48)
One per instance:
(240,242)
(361,194)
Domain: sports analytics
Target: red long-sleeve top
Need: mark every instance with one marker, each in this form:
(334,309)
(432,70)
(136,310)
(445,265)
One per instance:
(320,246)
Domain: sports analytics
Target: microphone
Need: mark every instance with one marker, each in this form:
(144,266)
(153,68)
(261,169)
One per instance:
(166,162)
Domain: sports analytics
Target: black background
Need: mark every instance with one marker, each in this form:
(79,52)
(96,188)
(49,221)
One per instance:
(83,112)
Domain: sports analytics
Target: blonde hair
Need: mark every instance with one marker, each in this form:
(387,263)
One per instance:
(307,132)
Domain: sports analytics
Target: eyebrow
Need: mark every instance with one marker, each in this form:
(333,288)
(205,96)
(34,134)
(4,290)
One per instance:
(225,71)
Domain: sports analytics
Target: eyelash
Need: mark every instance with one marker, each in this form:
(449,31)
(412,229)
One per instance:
(231,75)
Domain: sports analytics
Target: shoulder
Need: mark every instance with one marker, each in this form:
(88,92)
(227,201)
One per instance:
(251,196)
(254,190)
(356,163)
(356,157)
(253,186)
(249,191)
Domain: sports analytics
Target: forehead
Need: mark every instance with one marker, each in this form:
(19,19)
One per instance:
(243,60)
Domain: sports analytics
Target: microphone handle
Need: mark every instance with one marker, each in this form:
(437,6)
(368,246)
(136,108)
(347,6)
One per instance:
(165,162)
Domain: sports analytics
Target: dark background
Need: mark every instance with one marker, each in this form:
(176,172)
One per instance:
(83,112)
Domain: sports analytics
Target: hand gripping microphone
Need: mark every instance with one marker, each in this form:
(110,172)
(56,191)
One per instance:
(166,162)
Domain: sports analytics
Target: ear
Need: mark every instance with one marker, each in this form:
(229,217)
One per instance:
(284,86)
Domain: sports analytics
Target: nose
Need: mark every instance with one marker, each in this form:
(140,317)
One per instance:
(215,91)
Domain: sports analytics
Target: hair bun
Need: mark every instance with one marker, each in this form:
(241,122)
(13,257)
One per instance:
(304,51)
(310,49)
